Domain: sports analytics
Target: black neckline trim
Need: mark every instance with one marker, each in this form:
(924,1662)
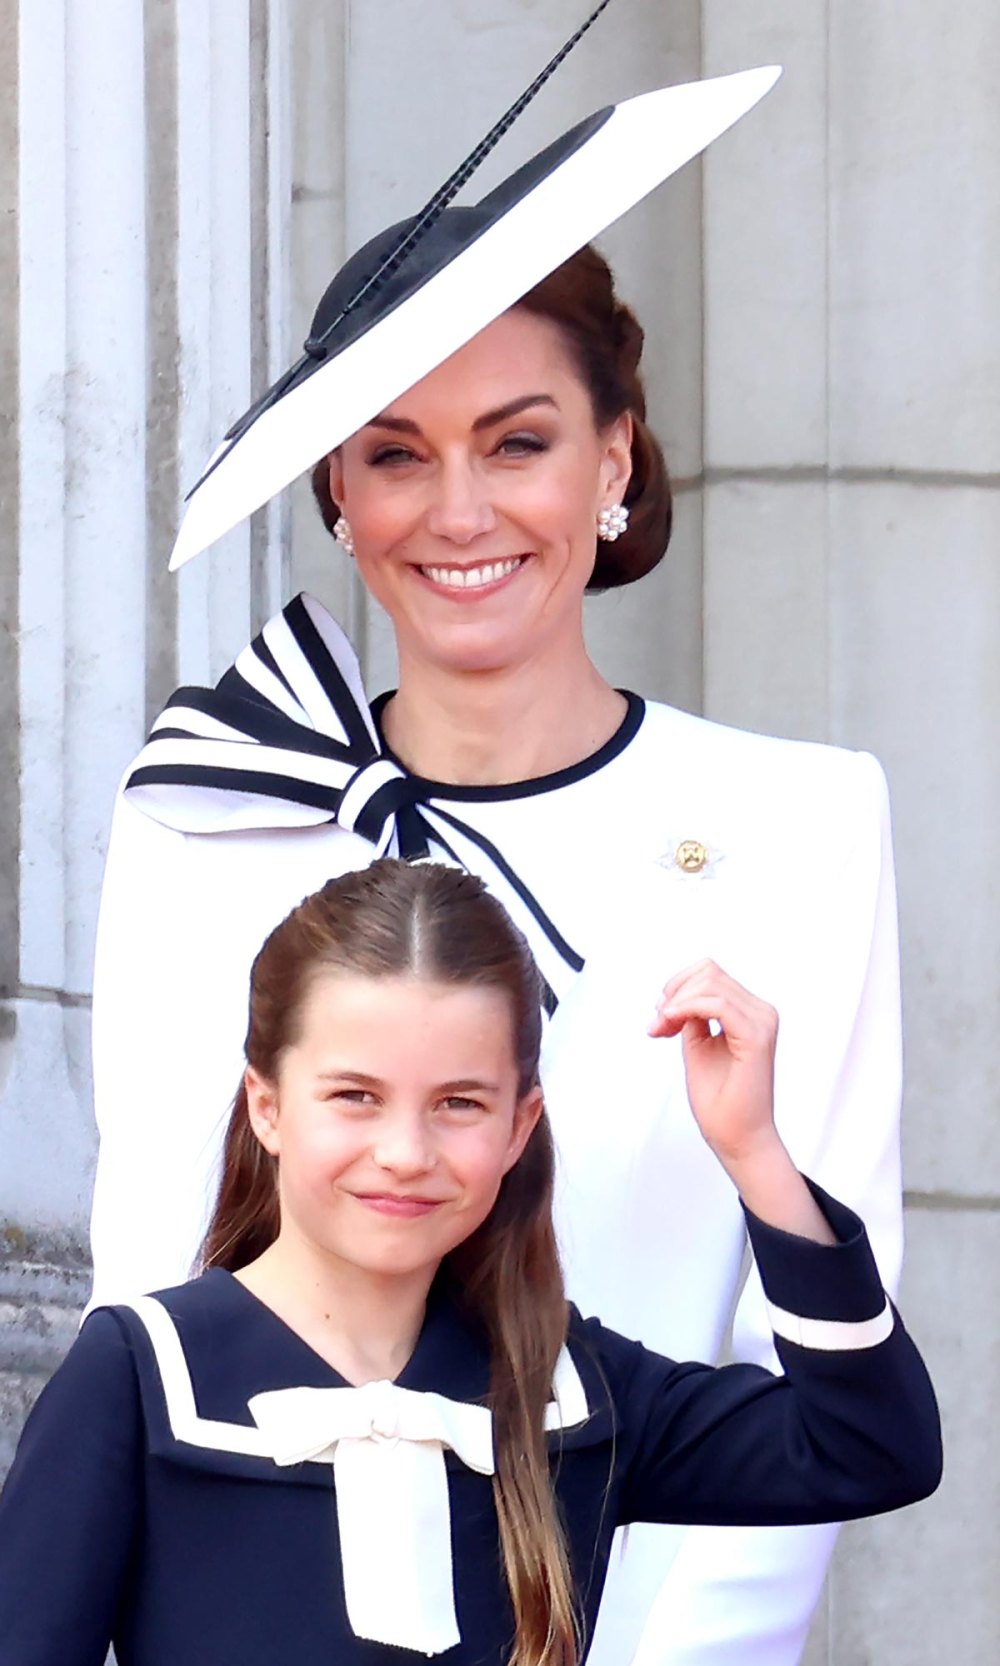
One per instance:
(612,748)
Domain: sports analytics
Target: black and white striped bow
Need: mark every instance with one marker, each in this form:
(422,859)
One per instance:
(287,739)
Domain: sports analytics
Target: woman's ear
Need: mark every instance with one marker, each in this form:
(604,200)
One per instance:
(526,1114)
(336,478)
(262,1110)
(616,465)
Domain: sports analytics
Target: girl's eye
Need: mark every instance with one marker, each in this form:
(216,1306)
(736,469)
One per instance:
(520,445)
(455,1102)
(352,1098)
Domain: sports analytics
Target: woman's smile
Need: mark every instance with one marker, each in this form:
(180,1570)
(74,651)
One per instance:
(473,580)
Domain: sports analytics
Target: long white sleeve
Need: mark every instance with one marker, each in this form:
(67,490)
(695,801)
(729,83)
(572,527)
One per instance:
(738,1597)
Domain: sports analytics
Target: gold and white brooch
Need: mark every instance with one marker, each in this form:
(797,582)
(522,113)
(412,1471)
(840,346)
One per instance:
(692,858)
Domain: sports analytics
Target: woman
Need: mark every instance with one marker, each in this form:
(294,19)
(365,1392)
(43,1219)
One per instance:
(480,503)
(383,1288)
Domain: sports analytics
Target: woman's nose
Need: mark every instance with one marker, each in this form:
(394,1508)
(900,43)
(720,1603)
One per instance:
(461,509)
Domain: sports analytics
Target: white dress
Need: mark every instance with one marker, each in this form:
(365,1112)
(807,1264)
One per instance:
(788,885)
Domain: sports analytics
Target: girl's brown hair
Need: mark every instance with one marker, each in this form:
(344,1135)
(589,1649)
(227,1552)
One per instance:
(440,924)
(605,340)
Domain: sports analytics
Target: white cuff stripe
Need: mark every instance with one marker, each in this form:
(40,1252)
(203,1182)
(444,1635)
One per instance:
(832,1335)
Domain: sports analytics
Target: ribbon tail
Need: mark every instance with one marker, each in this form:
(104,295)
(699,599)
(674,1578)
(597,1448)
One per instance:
(394,1520)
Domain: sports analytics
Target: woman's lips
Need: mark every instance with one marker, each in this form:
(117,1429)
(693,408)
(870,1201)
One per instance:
(399,1206)
(478,579)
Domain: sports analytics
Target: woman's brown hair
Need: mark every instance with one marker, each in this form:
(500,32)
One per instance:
(437,923)
(605,339)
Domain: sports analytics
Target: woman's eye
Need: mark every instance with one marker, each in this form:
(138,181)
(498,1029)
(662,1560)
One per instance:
(387,455)
(353,1098)
(519,445)
(456,1102)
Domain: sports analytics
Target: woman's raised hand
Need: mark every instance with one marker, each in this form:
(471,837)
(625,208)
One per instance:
(730,1084)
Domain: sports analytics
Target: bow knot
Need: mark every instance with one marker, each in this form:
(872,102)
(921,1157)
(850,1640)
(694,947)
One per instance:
(384,1412)
(303,1425)
(373,798)
(387,1446)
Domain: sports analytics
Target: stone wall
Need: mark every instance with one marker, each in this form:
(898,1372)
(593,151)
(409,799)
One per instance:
(824,351)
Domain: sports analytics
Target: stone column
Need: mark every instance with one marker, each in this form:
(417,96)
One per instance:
(144,307)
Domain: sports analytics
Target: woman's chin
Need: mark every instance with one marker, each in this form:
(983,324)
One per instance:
(474,648)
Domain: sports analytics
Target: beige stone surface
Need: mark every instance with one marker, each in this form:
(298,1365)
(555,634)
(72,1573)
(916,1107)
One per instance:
(921,1586)
(765,562)
(766,244)
(915,677)
(915,235)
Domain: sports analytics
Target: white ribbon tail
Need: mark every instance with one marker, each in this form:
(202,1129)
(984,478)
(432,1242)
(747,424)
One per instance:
(395,1543)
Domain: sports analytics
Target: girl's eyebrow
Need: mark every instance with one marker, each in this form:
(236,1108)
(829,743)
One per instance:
(489,419)
(465,1084)
(469,1085)
(356,1076)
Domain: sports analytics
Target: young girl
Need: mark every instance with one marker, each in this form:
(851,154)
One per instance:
(373,1424)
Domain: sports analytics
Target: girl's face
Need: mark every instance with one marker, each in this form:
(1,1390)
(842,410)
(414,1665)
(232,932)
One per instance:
(472,500)
(394,1118)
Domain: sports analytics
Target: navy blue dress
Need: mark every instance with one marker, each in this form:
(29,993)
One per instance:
(117,1525)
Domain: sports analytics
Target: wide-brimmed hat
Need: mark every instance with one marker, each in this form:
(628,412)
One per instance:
(419,291)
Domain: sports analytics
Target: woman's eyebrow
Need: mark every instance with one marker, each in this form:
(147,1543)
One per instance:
(513,408)
(489,419)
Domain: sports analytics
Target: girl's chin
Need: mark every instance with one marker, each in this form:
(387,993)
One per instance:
(383,1269)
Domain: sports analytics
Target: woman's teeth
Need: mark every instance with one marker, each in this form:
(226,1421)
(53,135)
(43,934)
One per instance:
(468,578)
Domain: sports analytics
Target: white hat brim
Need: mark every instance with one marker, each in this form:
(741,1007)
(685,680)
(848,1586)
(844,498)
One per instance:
(643,142)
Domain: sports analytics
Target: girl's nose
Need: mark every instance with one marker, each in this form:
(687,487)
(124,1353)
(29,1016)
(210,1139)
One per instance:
(403,1146)
(461,510)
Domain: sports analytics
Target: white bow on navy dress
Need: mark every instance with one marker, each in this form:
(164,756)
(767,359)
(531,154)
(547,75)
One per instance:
(287,739)
(387,1446)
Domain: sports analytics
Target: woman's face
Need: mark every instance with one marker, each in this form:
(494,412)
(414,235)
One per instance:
(472,500)
(394,1118)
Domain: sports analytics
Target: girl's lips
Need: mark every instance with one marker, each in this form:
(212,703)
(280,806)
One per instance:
(403,1208)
